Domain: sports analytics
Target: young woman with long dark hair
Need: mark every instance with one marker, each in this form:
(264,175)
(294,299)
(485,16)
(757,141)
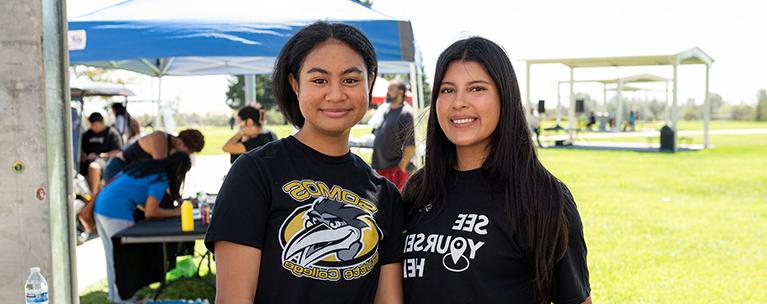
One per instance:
(141,185)
(488,223)
(302,219)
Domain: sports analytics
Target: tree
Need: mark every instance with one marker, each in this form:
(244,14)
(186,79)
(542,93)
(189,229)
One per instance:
(235,95)
(761,106)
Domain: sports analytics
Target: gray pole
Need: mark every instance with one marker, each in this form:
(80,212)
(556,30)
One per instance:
(250,89)
(36,227)
(571,123)
(706,111)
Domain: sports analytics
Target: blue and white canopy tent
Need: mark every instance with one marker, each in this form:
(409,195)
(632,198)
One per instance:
(241,37)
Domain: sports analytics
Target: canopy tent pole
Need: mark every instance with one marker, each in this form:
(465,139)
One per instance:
(250,89)
(619,106)
(559,103)
(421,99)
(674,110)
(571,122)
(414,84)
(706,111)
(157,118)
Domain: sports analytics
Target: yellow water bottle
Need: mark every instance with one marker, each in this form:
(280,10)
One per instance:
(187,222)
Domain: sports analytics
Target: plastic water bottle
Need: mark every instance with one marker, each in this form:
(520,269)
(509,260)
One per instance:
(36,288)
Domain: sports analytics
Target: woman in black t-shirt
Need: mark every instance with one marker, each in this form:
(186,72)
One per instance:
(302,219)
(488,223)
(251,134)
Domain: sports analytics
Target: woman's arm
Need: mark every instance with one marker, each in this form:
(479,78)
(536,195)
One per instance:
(390,284)
(237,268)
(233,145)
(152,209)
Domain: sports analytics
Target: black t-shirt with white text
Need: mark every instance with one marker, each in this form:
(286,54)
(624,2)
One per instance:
(104,141)
(325,224)
(467,251)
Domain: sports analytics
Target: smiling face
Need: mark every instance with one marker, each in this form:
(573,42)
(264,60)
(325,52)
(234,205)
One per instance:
(332,88)
(468,106)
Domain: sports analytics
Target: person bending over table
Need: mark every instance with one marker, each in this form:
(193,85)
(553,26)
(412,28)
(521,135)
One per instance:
(141,185)
(157,145)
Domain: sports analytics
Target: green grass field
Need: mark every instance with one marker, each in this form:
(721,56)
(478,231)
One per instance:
(660,228)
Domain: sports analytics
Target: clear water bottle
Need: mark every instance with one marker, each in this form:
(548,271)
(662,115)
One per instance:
(36,288)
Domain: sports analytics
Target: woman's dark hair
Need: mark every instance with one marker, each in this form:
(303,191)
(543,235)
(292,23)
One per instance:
(174,168)
(118,109)
(250,112)
(193,139)
(294,52)
(535,199)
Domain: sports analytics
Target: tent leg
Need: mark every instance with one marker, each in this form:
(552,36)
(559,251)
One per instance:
(414,85)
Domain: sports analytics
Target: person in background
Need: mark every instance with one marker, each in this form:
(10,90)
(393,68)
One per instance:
(535,124)
(142,185)
(157,145)
(98,144)
(394,144)
(126,124)
(510,229)
(632,121)
(231,122)
(592,121)
(251,135)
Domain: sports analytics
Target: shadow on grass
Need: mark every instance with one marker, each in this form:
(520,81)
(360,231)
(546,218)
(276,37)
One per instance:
(183,288)
(95,297)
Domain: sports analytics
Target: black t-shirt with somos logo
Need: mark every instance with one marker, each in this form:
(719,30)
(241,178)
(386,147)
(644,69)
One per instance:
(467,252)
(325,224)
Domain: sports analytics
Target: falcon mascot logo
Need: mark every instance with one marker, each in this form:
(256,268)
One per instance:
(329,239)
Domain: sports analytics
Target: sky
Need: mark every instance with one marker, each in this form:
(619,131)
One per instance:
(732,32)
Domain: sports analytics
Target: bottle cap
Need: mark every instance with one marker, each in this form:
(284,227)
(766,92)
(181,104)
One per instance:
(34,269)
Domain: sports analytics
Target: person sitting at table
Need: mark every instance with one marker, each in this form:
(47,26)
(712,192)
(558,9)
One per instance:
(251,135)
(99,143)
(141,185)
(157,145)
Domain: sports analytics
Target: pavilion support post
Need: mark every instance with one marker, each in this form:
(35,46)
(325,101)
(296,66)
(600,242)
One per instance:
(571,118)
(604,97)
(646,108)
(559,103)
(674,110)
(706,111)
(619,111)
(667,109)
